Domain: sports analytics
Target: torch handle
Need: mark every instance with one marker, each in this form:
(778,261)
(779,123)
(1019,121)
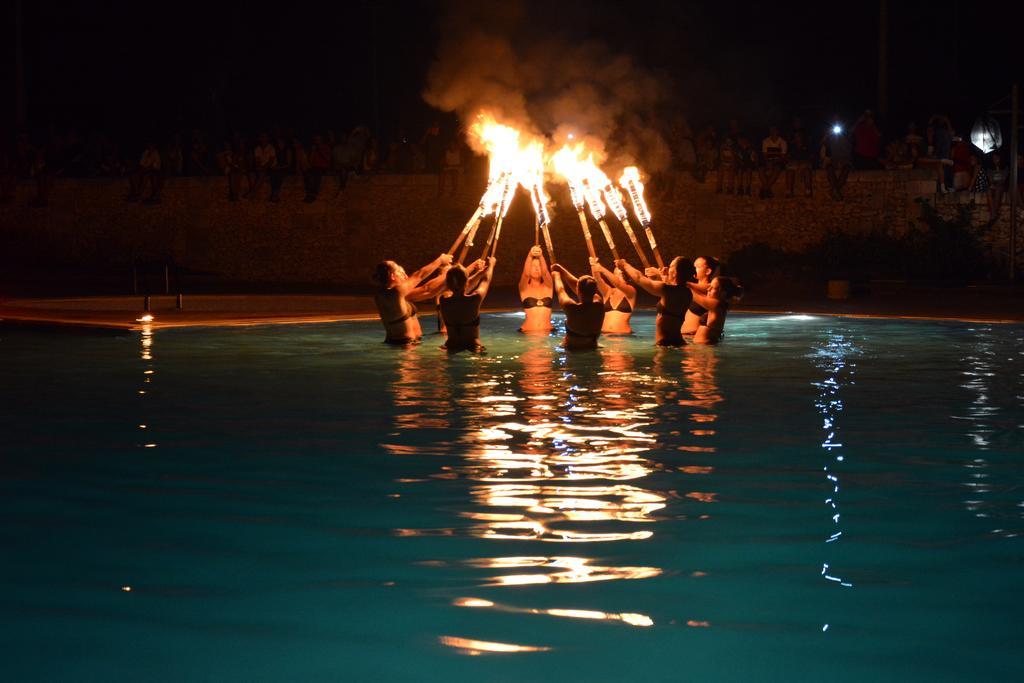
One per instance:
(469,241)
(547,241)
(654,245)
(608,236)
(497,235)
(636,243)
(474,219)
(586,234)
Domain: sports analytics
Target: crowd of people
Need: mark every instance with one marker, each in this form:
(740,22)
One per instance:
(693,300)
(734,157)
(254,167)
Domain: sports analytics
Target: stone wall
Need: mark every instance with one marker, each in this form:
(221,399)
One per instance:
(338,238)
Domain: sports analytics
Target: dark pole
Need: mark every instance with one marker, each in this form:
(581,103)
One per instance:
(20,114)
(1014,191)
(883,59)
(373,71)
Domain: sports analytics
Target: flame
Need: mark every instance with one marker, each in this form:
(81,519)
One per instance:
(630,181)
(513,162)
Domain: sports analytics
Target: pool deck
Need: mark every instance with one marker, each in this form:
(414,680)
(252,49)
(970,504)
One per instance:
(979,303)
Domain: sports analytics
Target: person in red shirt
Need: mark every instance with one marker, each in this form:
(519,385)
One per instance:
(867,142)
(319,164)
(962,164)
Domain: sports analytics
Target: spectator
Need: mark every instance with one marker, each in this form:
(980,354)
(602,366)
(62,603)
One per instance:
(264,159)
(283,161)
(896,156)
(401,157)
(319,164)
(232,169)
(452,168)
(867,142)
(198,156)
(979,182)
(348,157)
(173,161)
(746,161)
(997,175)
(940,146)
(371,157)
(837,157)
(149,170)
(962,156)
(773,161)
(728,152)
(299,155)
(914,143)
(433,148)
(707,153)
(798,162)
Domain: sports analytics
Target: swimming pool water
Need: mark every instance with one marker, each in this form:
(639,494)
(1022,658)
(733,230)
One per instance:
(816,498)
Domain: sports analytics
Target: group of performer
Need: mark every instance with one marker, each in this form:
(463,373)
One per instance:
(693,299)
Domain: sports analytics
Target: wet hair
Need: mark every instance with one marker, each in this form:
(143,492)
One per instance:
(382,273)
(732,290)
(684,269)
(456,278)
(586,287)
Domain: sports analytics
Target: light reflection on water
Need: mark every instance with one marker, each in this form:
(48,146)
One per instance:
(557,449)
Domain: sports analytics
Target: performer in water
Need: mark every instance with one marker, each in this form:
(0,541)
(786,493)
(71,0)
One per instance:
(397,292)
(535,289)
(583,318)
(721,292)
(705,269)
(619,298)
(674,295)
(460,307)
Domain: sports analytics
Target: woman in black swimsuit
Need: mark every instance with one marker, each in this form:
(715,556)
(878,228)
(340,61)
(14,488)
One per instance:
(583,319)
(460,307)
(619,298)
(535,293)
(705,269)
(674,297)
(396,293)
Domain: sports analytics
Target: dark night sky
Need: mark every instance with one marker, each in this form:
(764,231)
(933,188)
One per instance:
(138,69)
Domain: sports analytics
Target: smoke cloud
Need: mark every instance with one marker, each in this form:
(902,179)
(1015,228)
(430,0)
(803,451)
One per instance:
(503,58)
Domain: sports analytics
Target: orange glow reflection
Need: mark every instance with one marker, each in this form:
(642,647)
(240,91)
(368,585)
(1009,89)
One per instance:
(477,647)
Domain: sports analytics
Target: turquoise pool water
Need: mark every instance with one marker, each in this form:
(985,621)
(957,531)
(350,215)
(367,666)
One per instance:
(815,499)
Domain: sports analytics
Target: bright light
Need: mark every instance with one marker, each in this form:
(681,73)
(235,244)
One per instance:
(147,318)
(837,129)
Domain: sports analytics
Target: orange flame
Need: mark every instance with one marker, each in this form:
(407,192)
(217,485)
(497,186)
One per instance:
(630,181)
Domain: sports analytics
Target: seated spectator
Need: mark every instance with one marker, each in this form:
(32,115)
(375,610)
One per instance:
(319,164)
(173,161)
(798,162)
(433,148)
(371,157)
(451,169)
(837,158)
(283,162)
(747,159)
(997,177)
(707,152)
(198,162)
(962,156)
(727,158)
(149,170)
(773,161)
(914,143)
(264,159)
(896,156)
(349,156)
(978,183)
(232,169)
(867,142)
(940,147)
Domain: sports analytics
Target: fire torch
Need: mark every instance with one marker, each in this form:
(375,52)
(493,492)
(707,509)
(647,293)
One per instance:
(488,204)
(597,210)
(576,194)
(507,191)
(543,217)
(630,181)
(614,201)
